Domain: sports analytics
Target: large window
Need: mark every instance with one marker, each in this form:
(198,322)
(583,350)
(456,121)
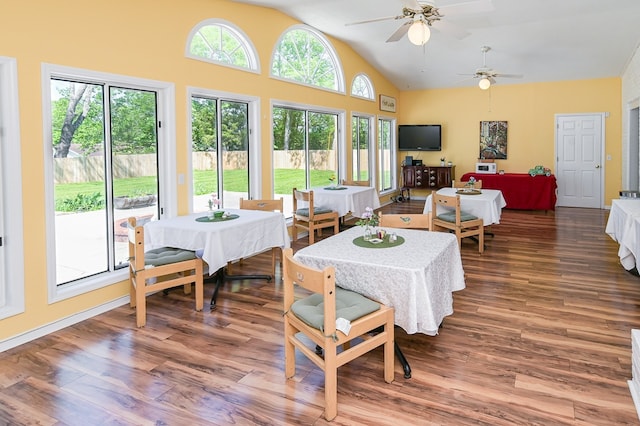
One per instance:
(305,56)
(102,139)
(219,152)
(11,224)
(386,155)
(305,150)
(222,43)
(361,143)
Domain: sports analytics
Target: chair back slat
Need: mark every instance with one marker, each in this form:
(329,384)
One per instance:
(413,220)
(276,205)
(355,182)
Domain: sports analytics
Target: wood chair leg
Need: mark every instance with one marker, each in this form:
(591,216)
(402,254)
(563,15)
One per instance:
(289,352)
(330,384)
(141,304)
(132,293)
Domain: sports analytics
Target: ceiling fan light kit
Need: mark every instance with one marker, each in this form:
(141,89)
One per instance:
(484,83)
(419,32)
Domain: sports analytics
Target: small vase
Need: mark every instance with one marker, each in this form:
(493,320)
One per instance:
(211,214)
(367,233)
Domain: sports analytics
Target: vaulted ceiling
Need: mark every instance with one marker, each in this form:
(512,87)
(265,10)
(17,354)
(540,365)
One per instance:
(541,40)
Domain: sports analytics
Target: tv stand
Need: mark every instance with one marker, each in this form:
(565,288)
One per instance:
(427,177)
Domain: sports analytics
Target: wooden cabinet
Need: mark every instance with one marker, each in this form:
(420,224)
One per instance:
(427,177)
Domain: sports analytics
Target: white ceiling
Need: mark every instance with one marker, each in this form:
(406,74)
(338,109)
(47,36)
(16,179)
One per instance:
(544,40)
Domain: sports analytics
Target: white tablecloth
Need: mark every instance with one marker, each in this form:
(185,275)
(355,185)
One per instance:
(352,199)
(487,205)
(252,232)
(623,226)
(417,277)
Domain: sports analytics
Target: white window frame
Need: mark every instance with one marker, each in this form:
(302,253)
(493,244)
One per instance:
(12,253)
(255,147)
(341,134)
(373,145)
(249,48)
(329,49)
(394,153)
(166,168)
(368,83)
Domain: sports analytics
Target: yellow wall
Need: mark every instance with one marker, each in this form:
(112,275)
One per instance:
(530,112)
(146,39)
(142,39)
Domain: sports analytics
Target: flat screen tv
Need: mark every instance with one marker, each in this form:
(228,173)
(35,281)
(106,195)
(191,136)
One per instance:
(419,137)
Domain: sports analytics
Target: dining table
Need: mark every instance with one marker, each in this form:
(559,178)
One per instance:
(238,234)
(623,226)
(416,274)
(483,203)
(346,199)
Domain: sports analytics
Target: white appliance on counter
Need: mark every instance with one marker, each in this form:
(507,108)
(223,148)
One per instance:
(488,168)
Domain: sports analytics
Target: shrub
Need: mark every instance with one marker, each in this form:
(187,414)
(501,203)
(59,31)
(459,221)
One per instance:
(81,203)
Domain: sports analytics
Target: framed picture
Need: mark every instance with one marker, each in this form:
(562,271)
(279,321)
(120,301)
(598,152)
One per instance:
(387,103)
(493,140)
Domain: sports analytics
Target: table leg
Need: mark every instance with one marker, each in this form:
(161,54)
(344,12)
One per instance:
(405,364)
(220,277)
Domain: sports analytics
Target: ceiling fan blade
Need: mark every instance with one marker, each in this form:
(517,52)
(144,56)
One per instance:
(509,75)
(450,29)
(388,18)
(400,32)
(467,7)
(492,80)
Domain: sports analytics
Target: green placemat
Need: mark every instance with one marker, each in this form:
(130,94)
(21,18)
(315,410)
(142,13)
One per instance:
(360,242)
(335,188)
(472,192)
(216,219)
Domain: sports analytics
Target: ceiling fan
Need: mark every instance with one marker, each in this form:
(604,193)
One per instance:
(419,17)
(488,75)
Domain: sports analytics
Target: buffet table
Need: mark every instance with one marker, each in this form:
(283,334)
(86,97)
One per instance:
(521,191)
(623,226)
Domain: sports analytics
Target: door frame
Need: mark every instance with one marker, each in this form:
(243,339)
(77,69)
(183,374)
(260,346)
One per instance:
(12,254)
(603,144)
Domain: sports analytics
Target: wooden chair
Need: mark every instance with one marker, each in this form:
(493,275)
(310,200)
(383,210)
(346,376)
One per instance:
(414,220)
(355,182)
(315,317)
(159,269)
(276,205)
(312,218)
(463,184)
(463,224)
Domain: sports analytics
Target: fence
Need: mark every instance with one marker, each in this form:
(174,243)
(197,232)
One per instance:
(91,169)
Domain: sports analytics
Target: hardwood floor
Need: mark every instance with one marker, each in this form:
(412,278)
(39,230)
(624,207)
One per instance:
(541,335)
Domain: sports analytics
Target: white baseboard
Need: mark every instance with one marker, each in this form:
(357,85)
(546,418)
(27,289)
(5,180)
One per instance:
(28,336)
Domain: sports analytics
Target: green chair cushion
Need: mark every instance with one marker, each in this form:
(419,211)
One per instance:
(349,305)
(451,217)
(316,210)
(167,255)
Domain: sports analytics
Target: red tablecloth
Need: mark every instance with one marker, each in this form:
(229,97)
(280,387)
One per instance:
(520,190)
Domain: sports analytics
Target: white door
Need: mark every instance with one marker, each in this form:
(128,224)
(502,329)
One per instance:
(579,142)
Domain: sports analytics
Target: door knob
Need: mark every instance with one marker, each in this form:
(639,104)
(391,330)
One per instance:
(597,166)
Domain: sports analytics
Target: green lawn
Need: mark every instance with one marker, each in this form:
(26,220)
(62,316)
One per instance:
(75,195)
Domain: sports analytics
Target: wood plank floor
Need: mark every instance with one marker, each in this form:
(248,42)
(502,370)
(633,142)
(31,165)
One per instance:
(540,336)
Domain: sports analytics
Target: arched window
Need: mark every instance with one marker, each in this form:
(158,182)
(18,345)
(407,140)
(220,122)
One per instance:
(362,87)
(220,42)
(305,56)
